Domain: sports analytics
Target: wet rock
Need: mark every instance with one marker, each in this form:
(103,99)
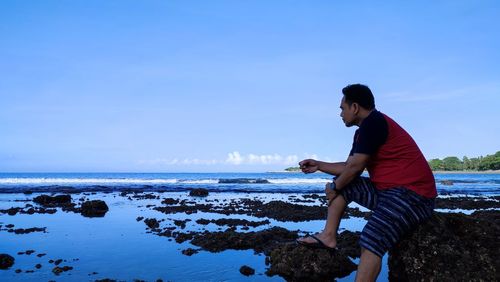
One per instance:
(181,223)
(145,196)
(57,262)
(283,211)
(28,230)
(105,280)
(6,261)
(261,241)
(139,218)
(11,211)
(446,182)
(466,203)
(38,266)
(200,192)
(247,270)
(18,271)
(170,201)
(58,270)
(55,201)
(28,210)
(152,223)
(298,263)
(189,252)
(95,208)
(233,222)
(449,247)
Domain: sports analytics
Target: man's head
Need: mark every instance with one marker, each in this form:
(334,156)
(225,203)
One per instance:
(356,104)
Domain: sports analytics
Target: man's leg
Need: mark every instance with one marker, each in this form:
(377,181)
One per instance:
(369,266)
(362,191)
(329,235)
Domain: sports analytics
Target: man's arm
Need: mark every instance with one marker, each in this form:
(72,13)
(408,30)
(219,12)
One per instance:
(310,166)
(332,168)
(354,167)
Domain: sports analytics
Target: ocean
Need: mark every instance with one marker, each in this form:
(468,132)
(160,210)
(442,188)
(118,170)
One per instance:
(120,246)
(463,183)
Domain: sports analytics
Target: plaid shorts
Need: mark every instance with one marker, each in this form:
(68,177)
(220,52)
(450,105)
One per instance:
(396,212)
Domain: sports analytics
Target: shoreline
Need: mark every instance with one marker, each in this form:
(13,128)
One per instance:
(466,172)
(434,171)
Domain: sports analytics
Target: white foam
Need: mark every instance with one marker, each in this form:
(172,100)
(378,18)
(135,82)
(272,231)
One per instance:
(94,181)
(299,181)
(201,181)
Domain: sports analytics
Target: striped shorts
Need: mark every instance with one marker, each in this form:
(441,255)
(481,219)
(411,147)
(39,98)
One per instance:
(395,212)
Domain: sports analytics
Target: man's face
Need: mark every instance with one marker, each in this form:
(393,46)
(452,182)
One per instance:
(347,113)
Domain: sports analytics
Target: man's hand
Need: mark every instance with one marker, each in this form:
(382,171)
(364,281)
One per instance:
(309,166)
(330,194)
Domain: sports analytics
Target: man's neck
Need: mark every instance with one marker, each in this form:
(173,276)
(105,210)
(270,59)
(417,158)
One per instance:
(362,115)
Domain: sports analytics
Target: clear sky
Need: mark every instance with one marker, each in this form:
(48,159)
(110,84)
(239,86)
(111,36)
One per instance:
(212,86)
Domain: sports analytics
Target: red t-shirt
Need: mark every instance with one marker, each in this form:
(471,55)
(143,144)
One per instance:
(395,159)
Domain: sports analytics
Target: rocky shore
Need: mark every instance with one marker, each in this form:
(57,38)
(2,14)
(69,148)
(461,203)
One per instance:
(440,250)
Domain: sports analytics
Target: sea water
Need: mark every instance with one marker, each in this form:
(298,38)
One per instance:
(118,246)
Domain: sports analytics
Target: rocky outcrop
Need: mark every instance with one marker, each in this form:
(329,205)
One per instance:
(6,261)
(298,263)
(449,247)
(95,208)
(53,201)
(199,192)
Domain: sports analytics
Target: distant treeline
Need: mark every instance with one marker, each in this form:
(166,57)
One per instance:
(490,162)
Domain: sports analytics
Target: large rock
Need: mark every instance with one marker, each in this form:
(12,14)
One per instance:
(199,192)
(53,201)
(298,263)
(95,208)
(6,261)
(449,247)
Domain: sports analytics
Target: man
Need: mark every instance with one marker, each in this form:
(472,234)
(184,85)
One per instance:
(400,190)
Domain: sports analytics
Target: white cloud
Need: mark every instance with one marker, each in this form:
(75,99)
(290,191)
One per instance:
(234,158)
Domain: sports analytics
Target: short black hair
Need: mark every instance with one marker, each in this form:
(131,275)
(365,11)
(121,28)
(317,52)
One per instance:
(359,93)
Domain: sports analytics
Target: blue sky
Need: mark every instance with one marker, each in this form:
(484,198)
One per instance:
(169,86)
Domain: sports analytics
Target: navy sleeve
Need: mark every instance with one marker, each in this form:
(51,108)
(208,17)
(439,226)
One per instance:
(371,134)
(354,143)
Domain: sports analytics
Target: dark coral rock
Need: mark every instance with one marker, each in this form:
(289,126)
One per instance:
(170,201)
(446,182)
(189,252)
(55,201)
(58,270)
(261,241)
(247,270)
(58,262)
(152,223)
(466,203)
(283,211)
(298,263)
(348,243)
(448,247)
(95,208)
(181,223)
(6,261)
(200,192)
(29,230)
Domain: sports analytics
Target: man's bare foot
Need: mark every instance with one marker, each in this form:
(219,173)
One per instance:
(329,241)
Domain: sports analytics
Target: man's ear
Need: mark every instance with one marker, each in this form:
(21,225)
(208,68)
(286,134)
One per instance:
(356,108)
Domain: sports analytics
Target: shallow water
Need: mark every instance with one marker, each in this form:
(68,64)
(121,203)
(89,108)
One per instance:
(117,246)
